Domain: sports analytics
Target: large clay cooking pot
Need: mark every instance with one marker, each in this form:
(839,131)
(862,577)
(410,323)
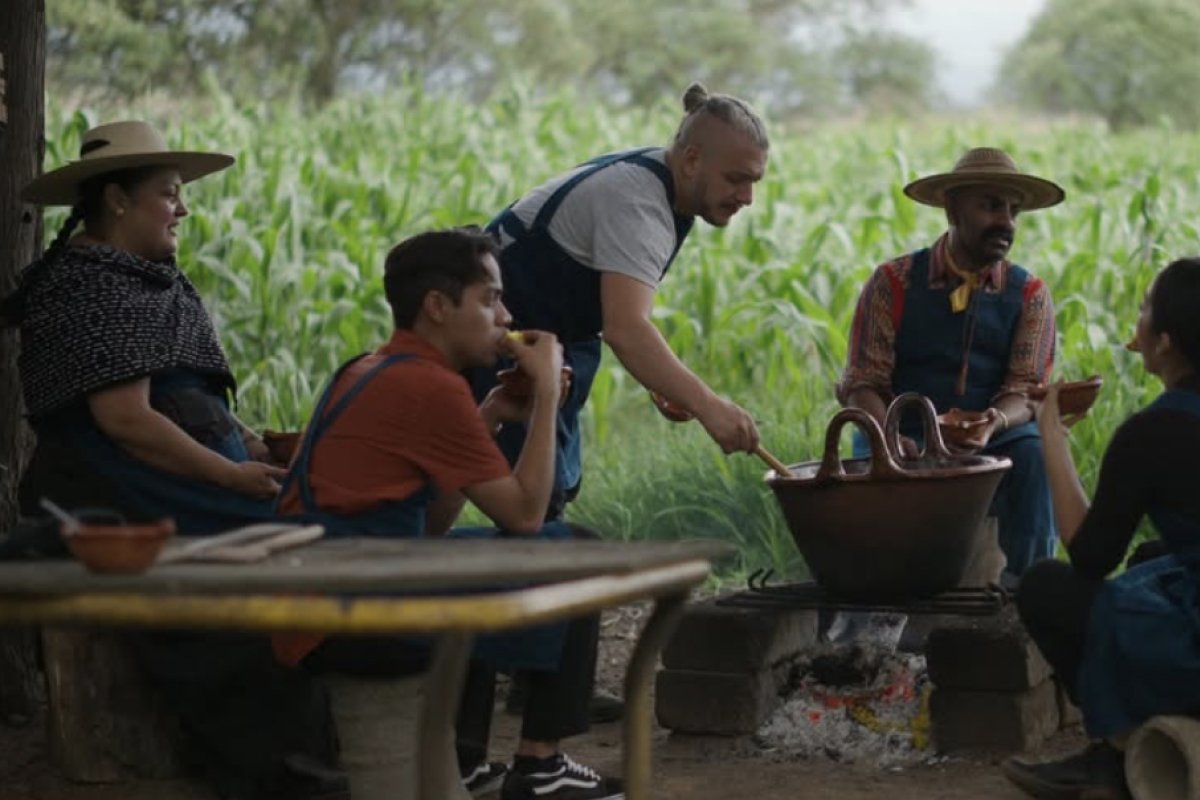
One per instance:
(888,528)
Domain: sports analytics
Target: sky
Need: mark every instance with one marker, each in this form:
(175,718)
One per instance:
(970,37)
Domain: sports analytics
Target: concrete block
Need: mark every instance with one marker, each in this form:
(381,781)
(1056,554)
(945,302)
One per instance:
(997,721)
(713,638)
(988,653)
(715,703)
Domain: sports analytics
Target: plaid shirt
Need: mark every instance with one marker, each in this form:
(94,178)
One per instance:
(872,352)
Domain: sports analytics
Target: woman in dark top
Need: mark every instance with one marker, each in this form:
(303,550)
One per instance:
(127,388)
(1126,648)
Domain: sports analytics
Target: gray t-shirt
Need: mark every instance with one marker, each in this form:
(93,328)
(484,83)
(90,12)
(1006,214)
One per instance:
(617,220)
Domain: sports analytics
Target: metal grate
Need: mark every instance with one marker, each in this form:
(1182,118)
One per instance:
(968,601)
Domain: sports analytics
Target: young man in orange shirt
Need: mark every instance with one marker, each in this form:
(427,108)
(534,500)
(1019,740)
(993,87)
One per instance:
(397,445)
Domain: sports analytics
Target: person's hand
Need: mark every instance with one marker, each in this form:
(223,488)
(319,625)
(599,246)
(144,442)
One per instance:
(256,448)
(505,404)
(908,447)
(539,355)
(1049,418)
(255,478)
(967,431)
(730,426)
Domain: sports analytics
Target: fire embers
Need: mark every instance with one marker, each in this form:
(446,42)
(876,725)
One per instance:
(857,703)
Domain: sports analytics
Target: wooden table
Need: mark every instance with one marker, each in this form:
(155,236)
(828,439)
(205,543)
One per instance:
(341,586)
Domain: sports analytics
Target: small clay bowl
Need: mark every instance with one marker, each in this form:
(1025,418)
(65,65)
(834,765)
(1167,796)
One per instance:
(671,411)
(958,426)
(119,547)
(281,446)
(1074,397)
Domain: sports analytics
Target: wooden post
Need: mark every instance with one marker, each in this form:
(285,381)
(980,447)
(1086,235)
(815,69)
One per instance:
(22,145)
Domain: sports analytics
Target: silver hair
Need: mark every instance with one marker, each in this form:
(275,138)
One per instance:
(698,103)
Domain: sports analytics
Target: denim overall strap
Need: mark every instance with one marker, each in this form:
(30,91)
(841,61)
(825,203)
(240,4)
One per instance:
(544,286)
(321,421)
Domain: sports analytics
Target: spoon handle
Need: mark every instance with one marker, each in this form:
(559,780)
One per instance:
(774,463)
(70,524)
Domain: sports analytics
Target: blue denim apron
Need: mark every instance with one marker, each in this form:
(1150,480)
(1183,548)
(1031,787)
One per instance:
(546,289)
(929,350)
(399,518)
(1142,653)
(146,492)
(531,648)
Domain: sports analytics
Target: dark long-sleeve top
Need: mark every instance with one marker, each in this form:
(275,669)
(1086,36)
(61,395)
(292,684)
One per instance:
(1152,462)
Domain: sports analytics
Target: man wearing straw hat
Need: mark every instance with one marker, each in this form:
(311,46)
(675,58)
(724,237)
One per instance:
(962,325)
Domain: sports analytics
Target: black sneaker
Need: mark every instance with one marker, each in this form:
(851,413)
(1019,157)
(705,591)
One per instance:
(485,777)
(557,778)
(1096,773)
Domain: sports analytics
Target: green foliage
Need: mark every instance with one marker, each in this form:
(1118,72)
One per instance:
(1131,62)
(885,72)
(632,51)
(287,249)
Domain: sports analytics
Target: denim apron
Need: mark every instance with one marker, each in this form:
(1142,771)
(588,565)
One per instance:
(141,491)
(531,648)
(546,289)
(1142,652)
(399,518)
(929,353)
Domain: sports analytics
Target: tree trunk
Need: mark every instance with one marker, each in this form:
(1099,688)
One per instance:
(22,145)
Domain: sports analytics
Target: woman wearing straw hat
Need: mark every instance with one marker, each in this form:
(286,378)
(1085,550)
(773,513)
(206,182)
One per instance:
(959,323)
(1126,649)
(126,386)
(124,379)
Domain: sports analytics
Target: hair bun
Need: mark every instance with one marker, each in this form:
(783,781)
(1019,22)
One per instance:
(694,96)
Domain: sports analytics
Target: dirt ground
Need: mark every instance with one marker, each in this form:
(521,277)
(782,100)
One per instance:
(686,767)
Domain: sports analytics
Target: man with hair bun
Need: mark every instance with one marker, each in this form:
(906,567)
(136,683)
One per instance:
(583,254)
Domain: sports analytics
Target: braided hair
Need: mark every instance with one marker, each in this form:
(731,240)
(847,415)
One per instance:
(89,209)
(12,308)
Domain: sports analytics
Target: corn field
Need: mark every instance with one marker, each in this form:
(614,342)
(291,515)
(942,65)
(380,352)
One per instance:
(287,248)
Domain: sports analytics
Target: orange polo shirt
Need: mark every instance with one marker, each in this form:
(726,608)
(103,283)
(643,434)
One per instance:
(414,424)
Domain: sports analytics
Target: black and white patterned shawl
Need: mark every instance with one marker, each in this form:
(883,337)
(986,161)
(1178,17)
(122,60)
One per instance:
(95,316)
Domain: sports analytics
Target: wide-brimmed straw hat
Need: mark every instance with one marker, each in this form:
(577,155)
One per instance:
(986,166)
(119,145)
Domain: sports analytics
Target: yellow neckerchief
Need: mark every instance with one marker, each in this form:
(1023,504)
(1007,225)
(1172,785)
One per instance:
(960,297)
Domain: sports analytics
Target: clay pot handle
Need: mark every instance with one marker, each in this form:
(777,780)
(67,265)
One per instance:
(933,433)
(882,463)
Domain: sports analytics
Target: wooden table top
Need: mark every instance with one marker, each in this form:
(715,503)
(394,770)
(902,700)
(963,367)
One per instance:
(369,565)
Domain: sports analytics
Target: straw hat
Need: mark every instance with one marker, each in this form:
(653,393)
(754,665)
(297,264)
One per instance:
(986,166)
(118,145)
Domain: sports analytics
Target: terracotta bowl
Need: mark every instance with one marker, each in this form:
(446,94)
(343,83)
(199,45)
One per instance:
(1074,397)
(669,410)
(959,427)
(281,446)
(118,547)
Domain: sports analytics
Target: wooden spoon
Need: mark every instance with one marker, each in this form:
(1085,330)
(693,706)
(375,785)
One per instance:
(678,414)
(774,463)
